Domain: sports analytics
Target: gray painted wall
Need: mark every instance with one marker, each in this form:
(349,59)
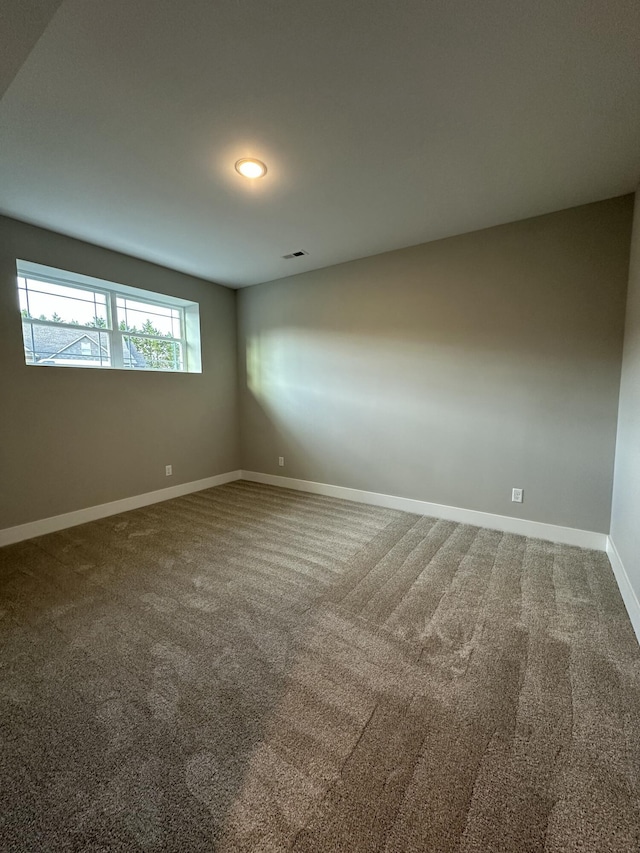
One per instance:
(625,516)
(73,438)
(452,371)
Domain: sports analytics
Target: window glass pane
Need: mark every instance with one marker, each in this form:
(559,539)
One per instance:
(105,349)
(54,302)
(45,344)
(143,317)
(145,354)
(22,293)
(57,289)
(162,310)
(29,355)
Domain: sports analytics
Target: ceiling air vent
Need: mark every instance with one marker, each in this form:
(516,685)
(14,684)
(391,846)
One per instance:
(297,254)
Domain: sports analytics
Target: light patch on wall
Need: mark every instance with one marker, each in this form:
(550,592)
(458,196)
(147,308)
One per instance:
(345,403)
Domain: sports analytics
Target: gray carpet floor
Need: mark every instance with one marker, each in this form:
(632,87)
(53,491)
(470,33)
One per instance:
(254,669)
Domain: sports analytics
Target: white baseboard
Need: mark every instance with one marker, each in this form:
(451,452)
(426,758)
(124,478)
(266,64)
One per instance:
(536,529)
(80,516)
(624,585)
(521,526)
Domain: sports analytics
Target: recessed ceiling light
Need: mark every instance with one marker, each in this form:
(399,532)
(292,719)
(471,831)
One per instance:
(251,168)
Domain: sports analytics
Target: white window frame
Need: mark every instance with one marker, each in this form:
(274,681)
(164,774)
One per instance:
(189,316)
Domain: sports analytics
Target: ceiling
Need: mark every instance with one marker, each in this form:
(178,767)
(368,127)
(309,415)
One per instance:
(383,123)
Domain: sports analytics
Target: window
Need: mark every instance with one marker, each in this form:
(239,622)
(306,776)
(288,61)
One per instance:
(72,320)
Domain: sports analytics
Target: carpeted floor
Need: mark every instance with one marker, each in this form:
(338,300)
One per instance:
(254,669)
